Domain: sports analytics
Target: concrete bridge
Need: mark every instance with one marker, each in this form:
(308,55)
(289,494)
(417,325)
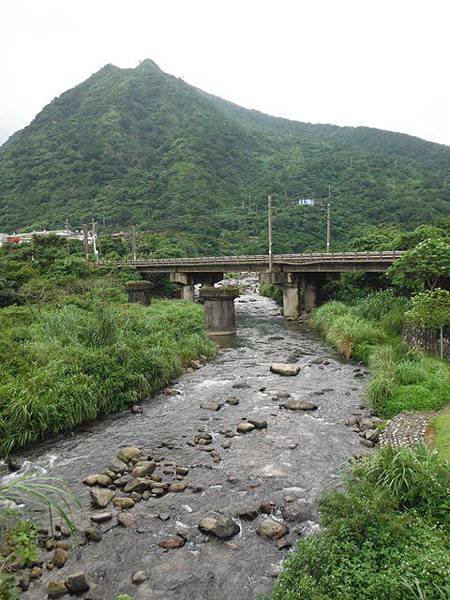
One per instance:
(301,277)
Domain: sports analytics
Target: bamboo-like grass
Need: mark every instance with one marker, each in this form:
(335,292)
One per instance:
(70,364)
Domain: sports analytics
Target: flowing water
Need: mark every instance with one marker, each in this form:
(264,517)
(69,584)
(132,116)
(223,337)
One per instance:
(293,460)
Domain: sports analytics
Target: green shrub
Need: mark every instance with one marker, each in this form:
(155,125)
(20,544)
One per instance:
(386,536)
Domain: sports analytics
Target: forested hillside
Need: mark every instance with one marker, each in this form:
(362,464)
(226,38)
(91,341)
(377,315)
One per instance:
(140,146)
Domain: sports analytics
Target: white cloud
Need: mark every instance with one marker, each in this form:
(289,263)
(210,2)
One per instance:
(378,63)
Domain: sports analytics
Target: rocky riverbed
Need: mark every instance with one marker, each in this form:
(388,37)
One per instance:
(202,494)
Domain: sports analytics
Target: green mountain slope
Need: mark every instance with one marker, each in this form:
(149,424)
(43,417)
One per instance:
(140,146)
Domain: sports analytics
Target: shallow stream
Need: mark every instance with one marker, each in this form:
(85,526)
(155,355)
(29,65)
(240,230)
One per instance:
(288,464)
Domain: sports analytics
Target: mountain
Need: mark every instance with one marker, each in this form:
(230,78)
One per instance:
(140,146)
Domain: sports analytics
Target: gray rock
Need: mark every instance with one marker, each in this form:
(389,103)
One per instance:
(56,589)
(258,423)
(77,584)
(143,468)
(245,427)
(222,528)
(129,454)
(294,404)
(101,498)
(177,487)
(92,534)
(139,577)
(125,519)
(101,517)
(272,529)
(208,405)
(287,369)
(232,400)
(138,485)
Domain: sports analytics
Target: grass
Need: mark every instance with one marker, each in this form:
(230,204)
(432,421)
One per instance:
(62,366)
(369,331)
(385,536)
(441,434)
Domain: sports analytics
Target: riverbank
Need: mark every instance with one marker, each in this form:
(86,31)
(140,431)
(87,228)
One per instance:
(386,535)
(65,366)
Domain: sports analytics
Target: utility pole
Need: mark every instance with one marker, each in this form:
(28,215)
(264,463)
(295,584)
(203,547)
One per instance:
(85,242)
(328,227)
(94,241)
(329,220)
(270,215)
(67,235)
(133,242)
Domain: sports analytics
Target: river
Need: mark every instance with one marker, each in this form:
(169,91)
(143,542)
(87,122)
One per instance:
(289,463)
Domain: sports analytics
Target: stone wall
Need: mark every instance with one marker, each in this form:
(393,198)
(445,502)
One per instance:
(427,340)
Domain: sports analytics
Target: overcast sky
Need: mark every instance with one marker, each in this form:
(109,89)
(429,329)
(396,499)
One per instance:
(381,63)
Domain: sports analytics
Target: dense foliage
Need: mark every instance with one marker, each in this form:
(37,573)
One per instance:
(386,536)
(62,366)
(430,309)
(138,146)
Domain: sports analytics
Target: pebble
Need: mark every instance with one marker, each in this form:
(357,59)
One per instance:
(177,541)
(139,577)
(214,406)
(125,519)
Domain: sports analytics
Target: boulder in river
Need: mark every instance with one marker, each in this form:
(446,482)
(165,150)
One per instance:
(297,404)
(77,583)
(177,541)
(139,577)
(100,498)
(209,405)
(56,589)
(101,517)
(258,423)
(125,519)
(287,369)
(245,427)
(143,468)
(139,485)
(222,528)
(129,454)
(272,529)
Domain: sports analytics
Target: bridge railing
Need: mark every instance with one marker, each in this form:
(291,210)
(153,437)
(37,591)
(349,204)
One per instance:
(305,257)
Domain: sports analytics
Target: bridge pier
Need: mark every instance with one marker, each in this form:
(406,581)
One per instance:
(220,317)
(291,300)
(139,292)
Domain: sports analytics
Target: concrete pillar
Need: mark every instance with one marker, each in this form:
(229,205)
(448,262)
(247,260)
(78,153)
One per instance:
(310,295)
(291,301)
(139,291)
(219,310)
(187,292)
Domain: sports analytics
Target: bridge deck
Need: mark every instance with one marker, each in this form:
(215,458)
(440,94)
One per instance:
(306,262)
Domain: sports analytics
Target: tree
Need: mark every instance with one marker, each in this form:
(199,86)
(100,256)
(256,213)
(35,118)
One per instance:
(430,309)
(423,267)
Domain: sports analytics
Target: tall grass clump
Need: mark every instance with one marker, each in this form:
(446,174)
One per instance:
(369,331)
(71,364)
(385,536)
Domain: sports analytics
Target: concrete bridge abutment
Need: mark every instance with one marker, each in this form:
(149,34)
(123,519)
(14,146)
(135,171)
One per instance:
(220,316)
(139,291)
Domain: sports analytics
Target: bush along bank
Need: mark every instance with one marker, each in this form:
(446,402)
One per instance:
(62,366)
(386,536)
(369,331)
